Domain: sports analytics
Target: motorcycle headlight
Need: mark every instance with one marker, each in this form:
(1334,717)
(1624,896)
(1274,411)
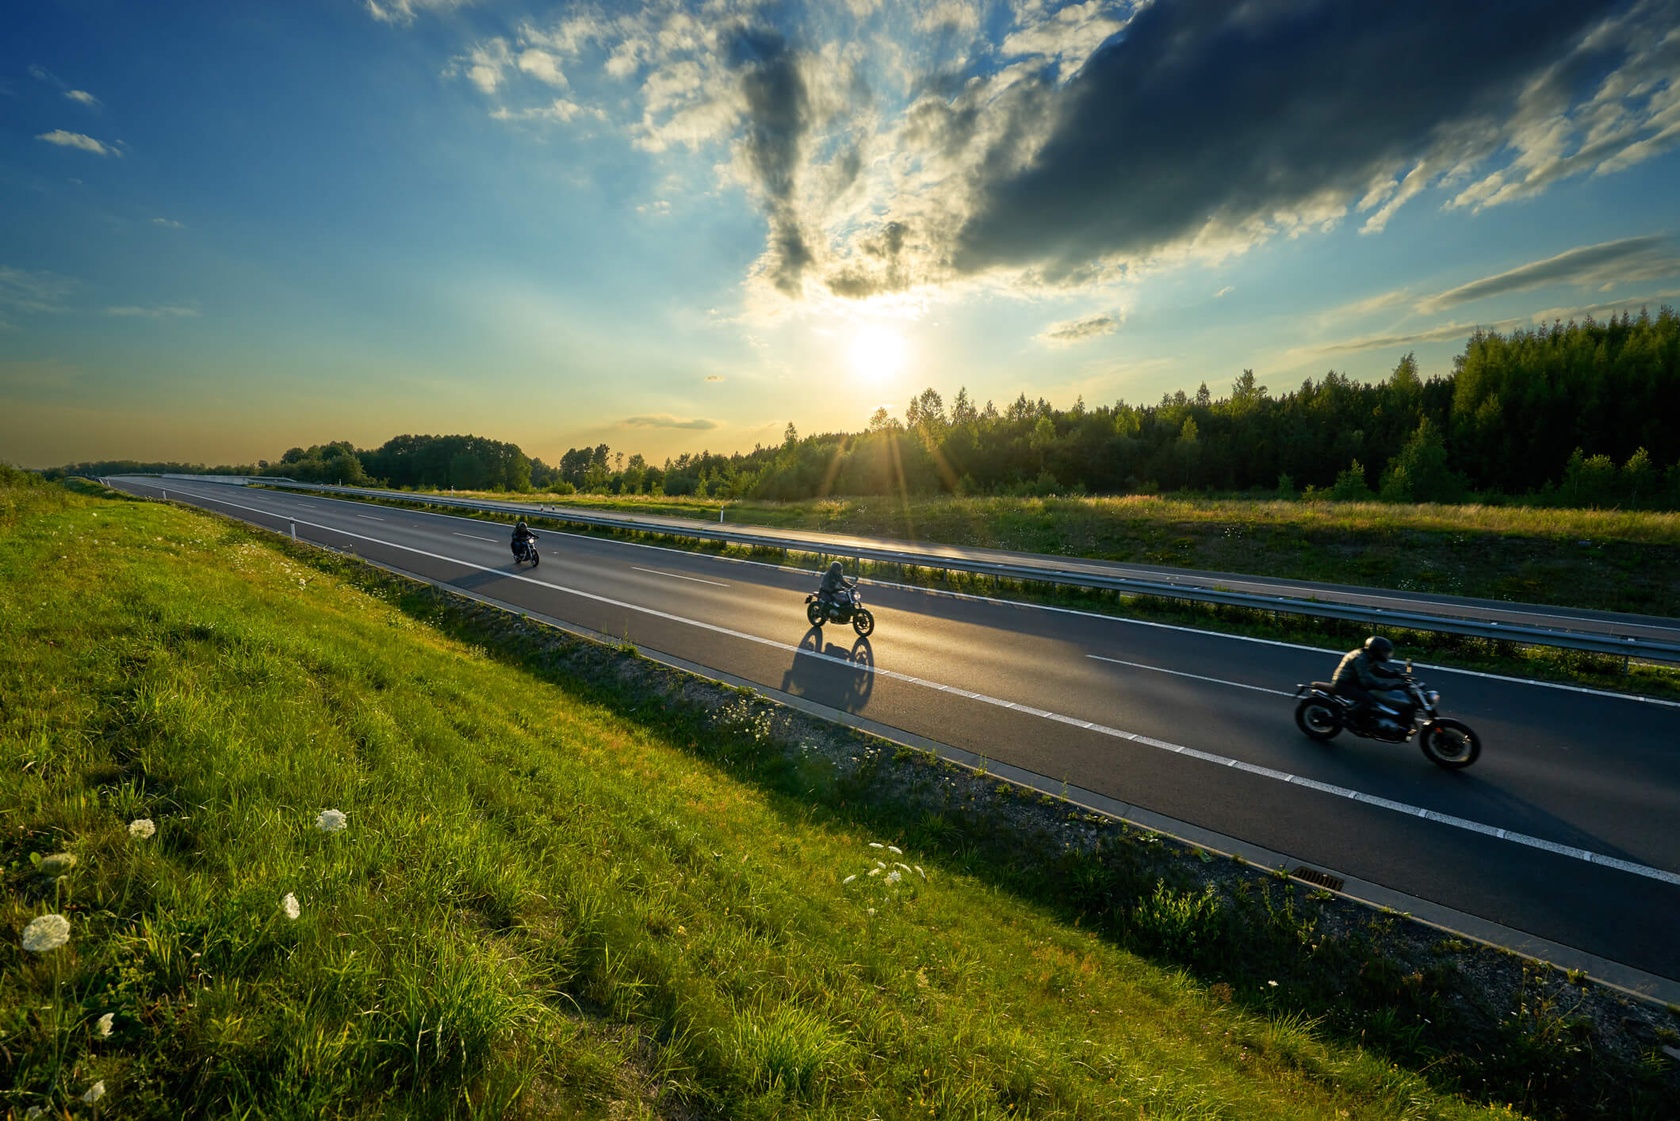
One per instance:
(1433,696)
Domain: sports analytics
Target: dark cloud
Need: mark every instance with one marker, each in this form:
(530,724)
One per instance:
(1633,258)
(666,420)
(1078,330)
(777,123)
(1230,111)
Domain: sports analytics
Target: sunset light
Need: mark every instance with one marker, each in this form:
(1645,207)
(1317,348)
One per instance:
(878,354)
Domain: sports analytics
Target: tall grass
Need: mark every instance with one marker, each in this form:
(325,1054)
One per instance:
(539,906)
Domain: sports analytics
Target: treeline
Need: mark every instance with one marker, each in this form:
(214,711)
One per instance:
(1580,414)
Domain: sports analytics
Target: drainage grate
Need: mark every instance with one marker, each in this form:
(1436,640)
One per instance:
(1322,879)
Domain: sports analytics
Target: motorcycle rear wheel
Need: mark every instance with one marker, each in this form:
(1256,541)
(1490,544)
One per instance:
(814,613)
(863,622)
(1317,719)
(1450,744)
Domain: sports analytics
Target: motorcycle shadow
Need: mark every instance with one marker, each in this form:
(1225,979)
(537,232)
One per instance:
(830,674)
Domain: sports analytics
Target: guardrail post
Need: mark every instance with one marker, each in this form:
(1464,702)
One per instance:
(294,530)
(165,494)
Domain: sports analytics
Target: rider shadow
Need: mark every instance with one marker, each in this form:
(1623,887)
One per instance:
(478,578)
(831,674)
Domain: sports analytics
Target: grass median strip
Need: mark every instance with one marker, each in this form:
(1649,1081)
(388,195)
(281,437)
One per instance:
(389,868)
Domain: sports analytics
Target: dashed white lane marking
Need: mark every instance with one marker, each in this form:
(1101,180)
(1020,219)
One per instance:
(1584,855)
(1196,676)
(474,536)
(369,517)
(676,576)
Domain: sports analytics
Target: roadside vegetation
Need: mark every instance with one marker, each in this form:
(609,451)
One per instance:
(325,844)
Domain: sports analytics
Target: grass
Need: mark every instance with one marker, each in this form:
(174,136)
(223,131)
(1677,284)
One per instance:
(564,893)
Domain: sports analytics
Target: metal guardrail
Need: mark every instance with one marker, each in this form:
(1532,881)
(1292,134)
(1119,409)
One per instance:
(1624,646)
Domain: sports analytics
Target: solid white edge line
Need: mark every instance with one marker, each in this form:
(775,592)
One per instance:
(1584,855)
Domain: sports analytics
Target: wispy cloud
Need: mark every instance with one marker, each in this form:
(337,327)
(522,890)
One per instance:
(1225,291)
(28,293)
(1633,305)
(169,223)
(1071,331)
(666,420)
(404,11)
(1403,338)
(157,311)
(65,139)
(1627,260)
(83,97)
(714,377)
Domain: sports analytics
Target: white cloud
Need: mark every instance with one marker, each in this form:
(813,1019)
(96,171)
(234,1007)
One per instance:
(159,311)
(542,66)
(168,223)
(1225,291)
(83,97)
(404,11)
(66,139)
(30,293)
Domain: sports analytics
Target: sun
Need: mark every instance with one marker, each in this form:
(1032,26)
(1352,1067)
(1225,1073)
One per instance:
(878,354)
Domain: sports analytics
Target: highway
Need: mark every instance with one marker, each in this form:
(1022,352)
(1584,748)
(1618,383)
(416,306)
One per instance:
(1561,842)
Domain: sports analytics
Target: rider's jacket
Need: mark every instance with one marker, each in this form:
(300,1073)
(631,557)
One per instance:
(1359,668)
(833,582)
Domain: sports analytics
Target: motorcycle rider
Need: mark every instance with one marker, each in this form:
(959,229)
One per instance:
(522,536)
(832,582)
(1365,676)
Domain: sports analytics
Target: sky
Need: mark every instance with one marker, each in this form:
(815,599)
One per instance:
(226,230)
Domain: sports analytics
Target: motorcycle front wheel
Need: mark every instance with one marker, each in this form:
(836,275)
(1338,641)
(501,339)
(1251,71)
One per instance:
(1317,719)
(863,622)
(814,613)
(1450,744)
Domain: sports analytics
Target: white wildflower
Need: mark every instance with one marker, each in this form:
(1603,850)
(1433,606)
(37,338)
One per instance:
(872,910)
(94,1092)
(290,906)
(105,1024)
(895,850)
(331,821)
(920,873)
(33,1111)
(141,828)
(876,845)
(902,865)
(1273,984)
(874,871)
(57,864)
(894,876)
(849,878)
(46,933)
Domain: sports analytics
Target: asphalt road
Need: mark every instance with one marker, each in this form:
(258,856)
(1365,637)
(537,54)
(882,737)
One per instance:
(1562,841)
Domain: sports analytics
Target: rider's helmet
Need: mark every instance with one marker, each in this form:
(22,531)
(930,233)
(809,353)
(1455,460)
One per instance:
(1379,647)
(835,569)
(521,524)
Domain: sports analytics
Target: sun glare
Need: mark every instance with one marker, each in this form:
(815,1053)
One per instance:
(878,354)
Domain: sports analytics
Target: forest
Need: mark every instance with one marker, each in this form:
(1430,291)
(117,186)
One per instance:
(1581,414)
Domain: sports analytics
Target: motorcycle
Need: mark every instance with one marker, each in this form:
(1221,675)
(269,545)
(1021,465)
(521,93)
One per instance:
(1322,713)
(845,606)
(526,550)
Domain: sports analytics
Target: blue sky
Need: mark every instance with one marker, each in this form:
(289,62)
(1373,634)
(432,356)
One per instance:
(227,230)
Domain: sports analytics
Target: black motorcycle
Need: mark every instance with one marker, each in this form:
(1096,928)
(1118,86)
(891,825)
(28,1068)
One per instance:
(525,549)
(1322,713)
(844,606)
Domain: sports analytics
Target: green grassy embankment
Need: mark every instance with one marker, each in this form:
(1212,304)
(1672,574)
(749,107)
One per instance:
(557,899)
